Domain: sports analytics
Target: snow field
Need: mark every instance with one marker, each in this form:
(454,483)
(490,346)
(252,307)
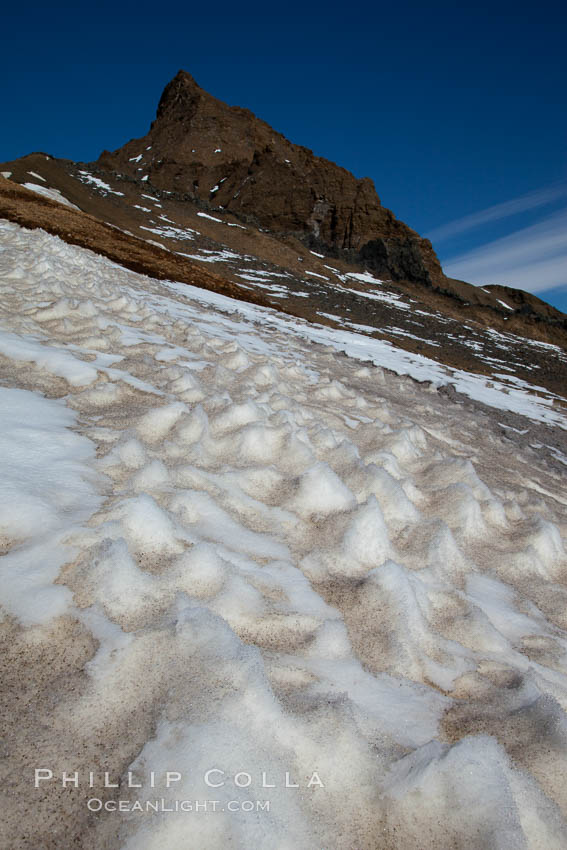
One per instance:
(268,559)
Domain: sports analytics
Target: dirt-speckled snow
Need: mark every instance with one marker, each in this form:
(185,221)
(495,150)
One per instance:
(232,551)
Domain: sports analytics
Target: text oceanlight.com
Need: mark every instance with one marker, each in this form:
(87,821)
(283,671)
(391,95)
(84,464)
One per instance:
(95,804)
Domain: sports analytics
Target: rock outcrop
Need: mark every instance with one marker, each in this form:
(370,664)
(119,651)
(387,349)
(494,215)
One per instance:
(227,158)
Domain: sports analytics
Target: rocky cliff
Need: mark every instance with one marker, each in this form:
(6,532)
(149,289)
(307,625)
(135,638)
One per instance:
(226,157)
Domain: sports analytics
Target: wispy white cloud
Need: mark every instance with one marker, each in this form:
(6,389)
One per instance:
(533,258)
(532,200)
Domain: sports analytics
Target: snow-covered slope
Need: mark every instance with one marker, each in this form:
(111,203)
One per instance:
(233,553)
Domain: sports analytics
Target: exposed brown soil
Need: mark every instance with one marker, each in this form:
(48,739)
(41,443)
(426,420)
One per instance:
(28,209)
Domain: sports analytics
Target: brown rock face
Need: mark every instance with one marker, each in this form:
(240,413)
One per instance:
(226,157)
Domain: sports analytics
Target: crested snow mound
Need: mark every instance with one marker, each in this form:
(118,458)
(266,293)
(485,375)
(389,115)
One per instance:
(282,599)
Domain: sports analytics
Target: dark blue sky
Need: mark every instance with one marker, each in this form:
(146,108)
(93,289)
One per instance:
(454,112)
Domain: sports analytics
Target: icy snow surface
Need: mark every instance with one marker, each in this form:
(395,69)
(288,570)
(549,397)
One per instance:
(85,177)
(53,194)
(211,217)
(245,552)
(171,232)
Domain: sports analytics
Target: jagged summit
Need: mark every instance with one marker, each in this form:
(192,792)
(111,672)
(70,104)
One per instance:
(181,95)
(199,146)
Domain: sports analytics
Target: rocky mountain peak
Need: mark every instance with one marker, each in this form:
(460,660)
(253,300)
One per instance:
(226,158)
(179,97)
